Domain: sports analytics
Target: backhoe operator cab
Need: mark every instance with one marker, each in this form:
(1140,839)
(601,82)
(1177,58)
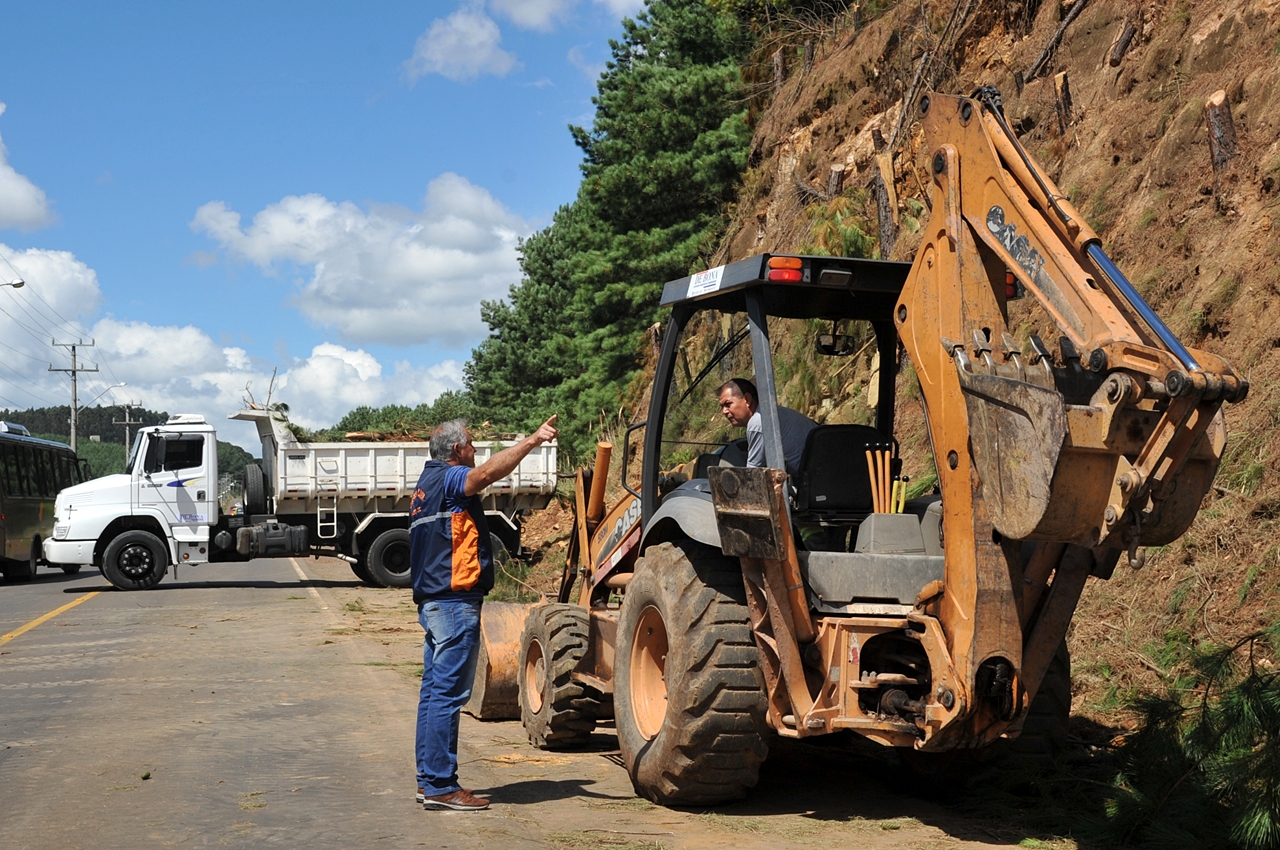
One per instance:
(847,308)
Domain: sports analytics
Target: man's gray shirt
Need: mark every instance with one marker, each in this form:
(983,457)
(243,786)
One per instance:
(794,427)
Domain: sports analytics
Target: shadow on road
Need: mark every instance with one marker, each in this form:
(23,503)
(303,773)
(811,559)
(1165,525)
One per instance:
(543,791)
(851,780)
(46,575)
(225,585)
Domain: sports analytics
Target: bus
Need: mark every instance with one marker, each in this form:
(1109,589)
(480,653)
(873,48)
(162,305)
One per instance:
(32,472)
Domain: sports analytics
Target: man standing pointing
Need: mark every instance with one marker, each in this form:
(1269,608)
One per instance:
(451,563)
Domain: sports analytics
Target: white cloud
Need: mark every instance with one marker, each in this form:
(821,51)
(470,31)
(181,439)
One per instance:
(179,368)
(533,14)
(460,47)
(578,59)
(621,8)
(385,275)
(59,290)
(22,203)
(182,370)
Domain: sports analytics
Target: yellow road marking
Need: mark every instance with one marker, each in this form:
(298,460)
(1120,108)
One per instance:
(38,620)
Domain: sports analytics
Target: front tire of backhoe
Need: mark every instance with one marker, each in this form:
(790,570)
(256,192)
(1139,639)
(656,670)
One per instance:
(557,712)
(689,698)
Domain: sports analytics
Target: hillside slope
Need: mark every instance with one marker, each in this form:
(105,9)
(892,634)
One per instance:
(1135,160)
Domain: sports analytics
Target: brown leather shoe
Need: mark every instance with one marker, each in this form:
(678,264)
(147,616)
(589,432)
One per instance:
(461,800)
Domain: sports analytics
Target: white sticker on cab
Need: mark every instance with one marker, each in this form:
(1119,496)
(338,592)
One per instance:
(704,282)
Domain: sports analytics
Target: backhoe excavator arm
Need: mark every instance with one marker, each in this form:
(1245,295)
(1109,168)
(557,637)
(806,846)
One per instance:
(1109,446)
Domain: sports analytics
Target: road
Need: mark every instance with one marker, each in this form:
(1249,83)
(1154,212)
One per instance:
(273,703)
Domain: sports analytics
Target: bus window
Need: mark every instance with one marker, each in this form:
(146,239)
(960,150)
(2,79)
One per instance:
(9,470)
(26,471)
(40,472)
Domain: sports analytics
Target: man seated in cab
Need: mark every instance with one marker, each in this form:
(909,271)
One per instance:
(740,405)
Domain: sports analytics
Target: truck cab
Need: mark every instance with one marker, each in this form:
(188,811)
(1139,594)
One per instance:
(163,505)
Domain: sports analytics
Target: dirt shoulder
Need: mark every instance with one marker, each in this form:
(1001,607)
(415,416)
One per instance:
(808,794)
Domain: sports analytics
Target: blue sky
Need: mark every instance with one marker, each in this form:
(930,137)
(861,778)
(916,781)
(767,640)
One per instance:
(214,191)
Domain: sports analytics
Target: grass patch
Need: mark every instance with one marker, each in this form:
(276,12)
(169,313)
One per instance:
(589,840)
(357,606)
(249,802)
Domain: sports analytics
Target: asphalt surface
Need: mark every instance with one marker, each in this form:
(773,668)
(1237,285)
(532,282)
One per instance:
(273,703)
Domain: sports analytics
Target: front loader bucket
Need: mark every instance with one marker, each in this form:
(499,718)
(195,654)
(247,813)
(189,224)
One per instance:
(495,694)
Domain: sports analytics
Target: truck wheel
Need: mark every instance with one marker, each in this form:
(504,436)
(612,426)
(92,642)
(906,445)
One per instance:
(136,560)
(389,558)
(255,490)
(556,711)
(361,569)
(689,700)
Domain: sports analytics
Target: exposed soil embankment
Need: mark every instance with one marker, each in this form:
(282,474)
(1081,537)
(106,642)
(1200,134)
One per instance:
(1133,154)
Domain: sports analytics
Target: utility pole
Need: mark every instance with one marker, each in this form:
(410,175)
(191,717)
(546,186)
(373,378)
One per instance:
(74,370)
(128,405)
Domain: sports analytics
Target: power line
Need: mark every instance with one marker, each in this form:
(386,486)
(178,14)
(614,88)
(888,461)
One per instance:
(30,332)
(40,320)
(67,322)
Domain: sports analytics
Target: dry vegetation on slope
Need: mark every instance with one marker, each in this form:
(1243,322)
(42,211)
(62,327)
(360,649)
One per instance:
(1135,160)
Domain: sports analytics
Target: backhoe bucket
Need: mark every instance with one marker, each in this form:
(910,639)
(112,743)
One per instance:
(495,693)
(1017,430)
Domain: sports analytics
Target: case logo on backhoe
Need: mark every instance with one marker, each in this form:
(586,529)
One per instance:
(1019,247)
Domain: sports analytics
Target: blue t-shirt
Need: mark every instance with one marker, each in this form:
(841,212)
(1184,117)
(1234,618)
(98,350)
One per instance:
(449,551)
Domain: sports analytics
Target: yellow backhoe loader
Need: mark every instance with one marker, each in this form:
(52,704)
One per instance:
(719,605)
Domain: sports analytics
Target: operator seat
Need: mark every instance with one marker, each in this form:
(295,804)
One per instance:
(834,484)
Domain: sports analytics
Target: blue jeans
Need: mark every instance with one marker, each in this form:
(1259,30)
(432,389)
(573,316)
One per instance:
(449,655)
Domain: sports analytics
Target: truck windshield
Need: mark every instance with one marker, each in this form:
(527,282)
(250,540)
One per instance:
(133,453)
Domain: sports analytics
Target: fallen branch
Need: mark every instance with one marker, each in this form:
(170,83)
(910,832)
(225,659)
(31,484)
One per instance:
(1043,59)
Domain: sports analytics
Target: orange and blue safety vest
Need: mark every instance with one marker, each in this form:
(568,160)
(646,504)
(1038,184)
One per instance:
(449,551)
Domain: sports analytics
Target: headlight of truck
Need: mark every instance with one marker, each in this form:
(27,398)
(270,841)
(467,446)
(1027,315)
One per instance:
(60,531)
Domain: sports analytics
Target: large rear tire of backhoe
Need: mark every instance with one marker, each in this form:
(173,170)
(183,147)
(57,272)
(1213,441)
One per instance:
(689,699)
(557,712)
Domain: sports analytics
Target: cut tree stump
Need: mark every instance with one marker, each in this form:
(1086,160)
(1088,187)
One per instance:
(886,203)
(1062,99)
(835,180)
(1222,130)
(1222,145)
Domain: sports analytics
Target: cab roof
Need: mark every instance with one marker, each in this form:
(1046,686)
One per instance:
(828,288)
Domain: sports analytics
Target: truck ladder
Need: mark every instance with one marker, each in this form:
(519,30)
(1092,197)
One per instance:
(326,518)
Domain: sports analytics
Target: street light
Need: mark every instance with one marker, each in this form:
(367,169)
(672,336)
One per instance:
(16,283)
(100,395)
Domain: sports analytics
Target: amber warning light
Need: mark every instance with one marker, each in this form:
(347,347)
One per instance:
(787,269)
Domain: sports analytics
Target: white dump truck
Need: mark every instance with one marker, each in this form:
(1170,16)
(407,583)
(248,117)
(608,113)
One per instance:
(345,500)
